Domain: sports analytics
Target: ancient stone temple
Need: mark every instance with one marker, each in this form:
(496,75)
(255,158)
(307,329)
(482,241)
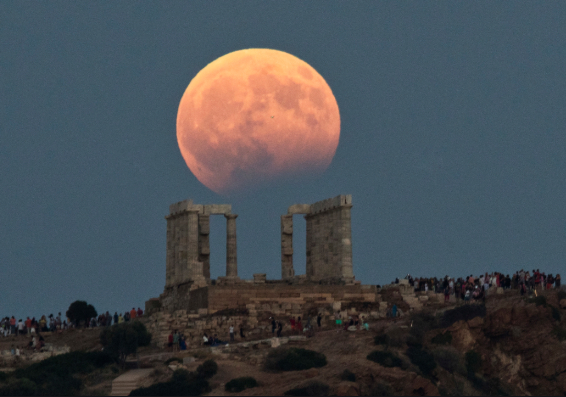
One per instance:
(329,274)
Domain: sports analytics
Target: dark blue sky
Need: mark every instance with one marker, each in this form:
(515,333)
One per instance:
(452,144)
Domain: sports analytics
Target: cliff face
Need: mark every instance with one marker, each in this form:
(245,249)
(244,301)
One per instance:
(519,342)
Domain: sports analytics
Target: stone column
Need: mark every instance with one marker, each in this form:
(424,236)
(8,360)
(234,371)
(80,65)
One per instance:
(287,270)
(204,244)
(347,272)
(170,256)
(231,248)
(192,243)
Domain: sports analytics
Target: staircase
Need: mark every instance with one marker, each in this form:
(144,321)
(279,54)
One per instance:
(125,383)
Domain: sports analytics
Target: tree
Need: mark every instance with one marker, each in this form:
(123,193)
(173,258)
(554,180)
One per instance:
(81,311)
(124,339)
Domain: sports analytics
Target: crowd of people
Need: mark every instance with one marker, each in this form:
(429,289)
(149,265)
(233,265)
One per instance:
(30,326)
(474,288)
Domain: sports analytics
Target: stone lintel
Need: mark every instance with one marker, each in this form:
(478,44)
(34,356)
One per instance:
(215,209)
(299,209)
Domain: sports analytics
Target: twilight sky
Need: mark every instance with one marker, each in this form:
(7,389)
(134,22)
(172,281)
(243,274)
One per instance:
(452,144)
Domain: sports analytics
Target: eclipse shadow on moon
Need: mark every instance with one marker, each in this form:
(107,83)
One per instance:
(254,116)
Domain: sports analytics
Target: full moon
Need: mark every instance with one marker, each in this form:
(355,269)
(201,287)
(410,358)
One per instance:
(255,116)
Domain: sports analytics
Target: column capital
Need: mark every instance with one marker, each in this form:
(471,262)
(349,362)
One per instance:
(230,216)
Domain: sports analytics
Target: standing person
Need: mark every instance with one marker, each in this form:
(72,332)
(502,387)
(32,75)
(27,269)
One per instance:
(175,341)
(127,316)
(21,327)
(338,320)
(557,281)
(292,322)
(299,325)
(273,325)
(13,325)
(115,318)
(231,329)
(318,320)
(28,325)
(140,312)
(121,319)
(108,319)
(133,313)
(169,340)
(182,342)
(242,331)
(394,311)
(279,328)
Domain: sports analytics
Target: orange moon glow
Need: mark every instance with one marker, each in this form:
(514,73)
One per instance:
(255,115)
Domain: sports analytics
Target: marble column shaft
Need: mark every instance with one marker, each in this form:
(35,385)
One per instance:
(231,246)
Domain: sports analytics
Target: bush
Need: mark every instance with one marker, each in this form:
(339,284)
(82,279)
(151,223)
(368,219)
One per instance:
(442,338)
(538,300)
(196,387)
(559,333)
(311,389)
(19,387)
(561,294)
(207,369)
(239,384)
(473,361)
(555,313)
(449,358)
(465,312)
(396,337)
(182,375)
(54,375)
(293,359)
(381,389)
(422,359)
(385,359)
(348,376)
(80,311)
(124,339)
(421,323)
(382,339)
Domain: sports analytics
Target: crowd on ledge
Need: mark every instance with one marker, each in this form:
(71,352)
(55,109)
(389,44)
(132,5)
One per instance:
(471,287)
(9,326)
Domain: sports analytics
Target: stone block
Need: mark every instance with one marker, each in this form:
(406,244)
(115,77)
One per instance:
(211,209)
(336,306)
(188,360)
(299,209)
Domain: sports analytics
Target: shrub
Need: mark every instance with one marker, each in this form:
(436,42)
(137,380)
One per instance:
(381,389)
(422,359)
(449,358)
(421,323)
(182,375)
(396,337)
(555,313)
(464,312)
(311,389)
(442,338)
(54,375)
(80,311)
(195,387)
(207,369)
(19,387)
(473,361)
(124,339)
(538,300)
(385,358)
(239,384)
(293,359)
(348,376)
(382,339)
(561,294)
(559,333)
